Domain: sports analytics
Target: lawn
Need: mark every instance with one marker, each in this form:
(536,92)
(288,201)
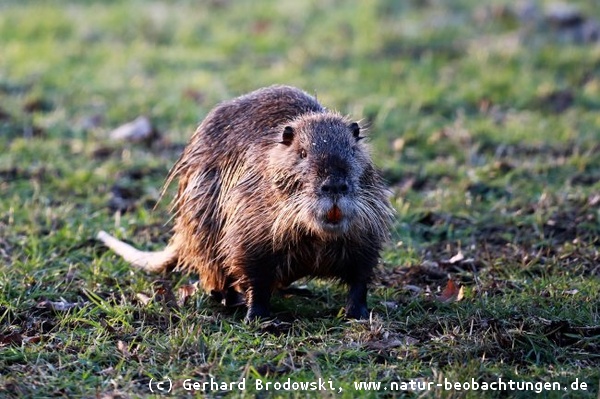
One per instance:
(485,122)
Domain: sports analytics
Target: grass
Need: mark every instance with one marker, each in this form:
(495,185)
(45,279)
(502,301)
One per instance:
(485,123)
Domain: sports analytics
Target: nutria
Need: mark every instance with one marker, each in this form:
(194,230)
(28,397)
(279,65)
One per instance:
(273,187)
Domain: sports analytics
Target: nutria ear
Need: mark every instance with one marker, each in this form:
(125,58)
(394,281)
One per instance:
(355,130)
(288,136)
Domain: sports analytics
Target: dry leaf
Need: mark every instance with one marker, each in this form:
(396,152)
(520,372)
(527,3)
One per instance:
(391,343)
(452,293)
(122,347)
(410,340)
(13,338)
(61,306)
(461,293)
(195,95)
(456,258)
(186,291)
(163,293)
(107,371)
(32,340)
(413,288)
(429,264)
(384,345)
(143,298)
(135,131)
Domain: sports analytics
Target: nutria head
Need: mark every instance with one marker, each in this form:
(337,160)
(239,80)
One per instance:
(319,169)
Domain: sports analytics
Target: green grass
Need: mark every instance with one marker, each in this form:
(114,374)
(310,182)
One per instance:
(486,127)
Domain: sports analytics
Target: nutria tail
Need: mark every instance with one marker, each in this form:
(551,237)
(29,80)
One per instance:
(145,260)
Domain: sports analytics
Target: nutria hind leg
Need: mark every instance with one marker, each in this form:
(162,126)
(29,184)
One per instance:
(216,295)
(258,295)
(234,298)
(356,304)
(258,300)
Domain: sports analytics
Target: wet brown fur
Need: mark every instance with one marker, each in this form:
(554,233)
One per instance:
(251,207)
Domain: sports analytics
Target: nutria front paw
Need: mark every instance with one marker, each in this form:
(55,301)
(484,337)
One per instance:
(359,312)
(256,313)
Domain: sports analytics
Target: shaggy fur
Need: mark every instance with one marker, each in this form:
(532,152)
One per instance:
(273,187)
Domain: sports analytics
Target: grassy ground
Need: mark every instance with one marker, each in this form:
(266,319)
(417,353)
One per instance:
(484,118)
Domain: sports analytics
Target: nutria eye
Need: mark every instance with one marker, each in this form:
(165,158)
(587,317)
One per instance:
(303,153)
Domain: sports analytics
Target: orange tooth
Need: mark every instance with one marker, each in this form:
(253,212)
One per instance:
(334,215)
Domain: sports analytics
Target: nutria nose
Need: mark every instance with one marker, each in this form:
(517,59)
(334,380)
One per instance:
(333,185)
